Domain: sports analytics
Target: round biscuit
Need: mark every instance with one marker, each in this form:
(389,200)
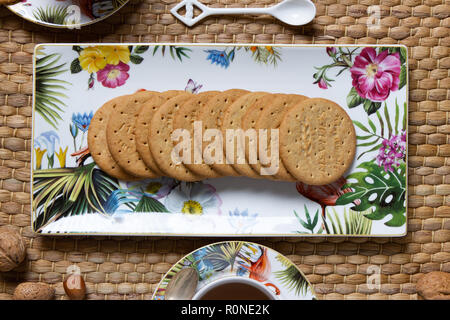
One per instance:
(120,134)
(98,145)
(211,117)
(185,118)
(143,123)
(232,122)
(160,140)
(269,117)
(317,141)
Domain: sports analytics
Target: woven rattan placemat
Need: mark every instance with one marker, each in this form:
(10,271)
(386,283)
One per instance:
(339,268)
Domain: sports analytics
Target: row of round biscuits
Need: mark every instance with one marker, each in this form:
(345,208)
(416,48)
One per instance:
(129,137)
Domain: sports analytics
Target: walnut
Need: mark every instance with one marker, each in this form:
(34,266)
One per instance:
(8,2)
(434,286)
(33,291)
(12,248)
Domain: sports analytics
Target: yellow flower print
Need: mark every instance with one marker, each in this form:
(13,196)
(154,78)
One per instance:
(39,154)
(62,157)
(92,59)
(193,199)
(270,49)
(192,207)
(116,54)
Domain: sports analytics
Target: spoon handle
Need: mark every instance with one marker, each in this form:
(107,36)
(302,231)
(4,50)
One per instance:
(189,5)
(236,11)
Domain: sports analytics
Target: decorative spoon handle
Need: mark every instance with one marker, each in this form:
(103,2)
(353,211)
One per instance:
(190,20)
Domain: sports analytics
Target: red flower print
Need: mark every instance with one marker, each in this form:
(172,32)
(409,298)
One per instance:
(113,76)
(375,76)
(331,51)
(322,84)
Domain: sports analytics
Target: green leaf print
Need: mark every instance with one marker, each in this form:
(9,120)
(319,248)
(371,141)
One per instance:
(75,66)
(353,98)
(384,191)
(136,59)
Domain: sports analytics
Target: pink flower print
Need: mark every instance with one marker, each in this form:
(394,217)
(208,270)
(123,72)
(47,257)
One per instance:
(392,152)
(331,51)
(322,84)
(403,138)
(375,76)
(113,76)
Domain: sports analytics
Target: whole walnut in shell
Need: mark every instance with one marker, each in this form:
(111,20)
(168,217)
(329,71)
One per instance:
(33,291)
(8,2)
(12,249)
(434,286)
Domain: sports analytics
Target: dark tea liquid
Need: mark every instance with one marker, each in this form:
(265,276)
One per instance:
(235,291)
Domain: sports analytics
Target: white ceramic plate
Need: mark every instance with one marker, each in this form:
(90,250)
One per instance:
(71,14)
(66,95)
(243,260)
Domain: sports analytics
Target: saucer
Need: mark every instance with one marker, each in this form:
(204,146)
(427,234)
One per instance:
(67,14)
(243,260)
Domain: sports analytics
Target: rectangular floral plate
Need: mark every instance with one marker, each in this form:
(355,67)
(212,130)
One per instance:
(76,197)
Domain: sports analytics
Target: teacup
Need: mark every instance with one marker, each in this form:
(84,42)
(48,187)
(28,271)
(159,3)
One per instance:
(235,288)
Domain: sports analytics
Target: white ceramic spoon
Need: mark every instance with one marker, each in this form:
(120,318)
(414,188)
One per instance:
(293,12)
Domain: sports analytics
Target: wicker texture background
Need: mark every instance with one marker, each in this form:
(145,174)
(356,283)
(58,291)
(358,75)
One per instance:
(130,268)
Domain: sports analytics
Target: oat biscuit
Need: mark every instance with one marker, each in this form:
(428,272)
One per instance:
(249,122)
(317,141)
(142,124)
(160,140)
(184,118)
(270,118)
(232,119)
(120,134)
(211,117)
(98,145)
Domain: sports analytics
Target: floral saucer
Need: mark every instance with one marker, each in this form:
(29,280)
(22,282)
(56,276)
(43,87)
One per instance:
(243,260)
(70,14)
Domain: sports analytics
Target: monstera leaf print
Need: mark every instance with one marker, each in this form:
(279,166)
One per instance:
(385,191)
